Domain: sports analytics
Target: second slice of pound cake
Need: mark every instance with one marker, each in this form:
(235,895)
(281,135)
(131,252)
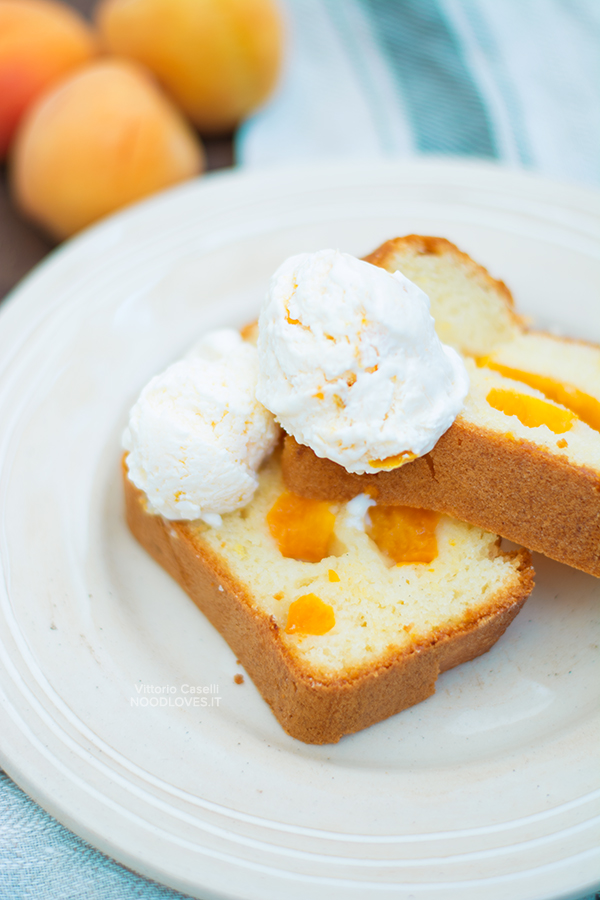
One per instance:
(523,456)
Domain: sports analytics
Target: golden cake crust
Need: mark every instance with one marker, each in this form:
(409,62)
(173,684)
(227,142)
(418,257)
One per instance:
(384,255)
(316,709)
(513,488)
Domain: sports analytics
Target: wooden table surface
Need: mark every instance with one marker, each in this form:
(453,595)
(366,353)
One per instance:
(22,245)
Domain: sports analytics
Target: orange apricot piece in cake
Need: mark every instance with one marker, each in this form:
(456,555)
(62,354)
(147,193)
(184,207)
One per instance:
(531,411)
(405,534)
(301,527)
(310,615)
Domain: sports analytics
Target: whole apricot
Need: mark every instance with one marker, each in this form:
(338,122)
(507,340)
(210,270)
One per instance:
(101,139)
(218,59)
(40,41)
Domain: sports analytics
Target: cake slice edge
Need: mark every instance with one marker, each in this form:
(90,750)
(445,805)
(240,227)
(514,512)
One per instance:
(309,707)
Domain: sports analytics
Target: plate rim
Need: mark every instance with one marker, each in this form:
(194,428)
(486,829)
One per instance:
(63,254)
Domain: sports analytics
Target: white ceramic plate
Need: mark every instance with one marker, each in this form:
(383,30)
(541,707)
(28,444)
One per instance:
(489,788)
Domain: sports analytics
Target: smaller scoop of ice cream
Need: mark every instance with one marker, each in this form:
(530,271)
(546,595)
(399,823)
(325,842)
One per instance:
(351,365)
(197,434)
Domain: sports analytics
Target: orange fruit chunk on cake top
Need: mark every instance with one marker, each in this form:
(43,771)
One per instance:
(530,411)
(302,528)
(585,407)
(310,615)
(407,535)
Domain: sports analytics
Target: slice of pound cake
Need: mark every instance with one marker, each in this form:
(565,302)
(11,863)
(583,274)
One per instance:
(342,613)
(522,458)
(339,623)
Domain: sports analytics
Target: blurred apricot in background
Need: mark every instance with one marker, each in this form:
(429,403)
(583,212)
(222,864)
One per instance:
(87,133)
(219,59)
(103,138)
(40,41)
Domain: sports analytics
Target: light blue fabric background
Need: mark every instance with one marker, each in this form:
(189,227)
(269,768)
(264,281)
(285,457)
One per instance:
(41,860)
(517,81)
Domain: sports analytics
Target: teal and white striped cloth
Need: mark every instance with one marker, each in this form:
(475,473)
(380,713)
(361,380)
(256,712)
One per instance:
(517,81)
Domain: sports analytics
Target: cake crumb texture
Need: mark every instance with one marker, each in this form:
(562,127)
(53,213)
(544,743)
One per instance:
(396,627)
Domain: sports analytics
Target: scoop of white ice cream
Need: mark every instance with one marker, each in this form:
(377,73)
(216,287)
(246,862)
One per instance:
(351,365)
(197,434)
